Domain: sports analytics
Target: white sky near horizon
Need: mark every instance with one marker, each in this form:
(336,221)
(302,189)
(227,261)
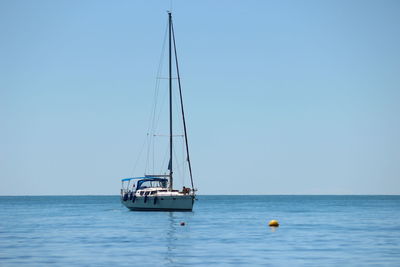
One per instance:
(281,97)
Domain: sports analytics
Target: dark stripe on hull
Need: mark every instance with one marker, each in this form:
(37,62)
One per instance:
(157,209)
(165,203)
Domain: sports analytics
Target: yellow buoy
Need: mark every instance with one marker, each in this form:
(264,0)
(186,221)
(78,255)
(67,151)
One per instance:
(273,223)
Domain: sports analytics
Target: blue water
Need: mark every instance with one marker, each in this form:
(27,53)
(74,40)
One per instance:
(222,230)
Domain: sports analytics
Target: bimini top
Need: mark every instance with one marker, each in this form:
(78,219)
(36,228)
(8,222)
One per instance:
(144,178)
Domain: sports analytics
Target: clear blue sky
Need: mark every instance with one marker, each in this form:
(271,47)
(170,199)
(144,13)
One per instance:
(282,97)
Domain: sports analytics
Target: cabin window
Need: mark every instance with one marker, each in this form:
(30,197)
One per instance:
(151,184)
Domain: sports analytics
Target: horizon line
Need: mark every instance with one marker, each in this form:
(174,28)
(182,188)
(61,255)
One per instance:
(92,195)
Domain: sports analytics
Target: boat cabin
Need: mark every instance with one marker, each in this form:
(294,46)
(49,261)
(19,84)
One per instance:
(135,184)
(148,186)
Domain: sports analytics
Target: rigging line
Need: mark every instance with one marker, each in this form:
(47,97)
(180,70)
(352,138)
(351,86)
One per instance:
(159,70)
(138,157)
(148,152)
(154,144)
(164,159)
(179,165)
(183,160)
(176,106)
(156,94)
(167,135)
(164,97)
(150,128)
(183,112)
(177,162)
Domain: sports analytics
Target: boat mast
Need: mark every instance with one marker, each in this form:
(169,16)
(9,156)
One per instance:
(170,101)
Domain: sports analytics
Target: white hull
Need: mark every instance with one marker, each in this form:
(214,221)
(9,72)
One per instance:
(160,203)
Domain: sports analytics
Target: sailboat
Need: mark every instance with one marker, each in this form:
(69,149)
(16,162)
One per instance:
(155,192)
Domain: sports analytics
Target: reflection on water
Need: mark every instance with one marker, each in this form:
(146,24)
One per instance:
(273,228)
(171,237)
(177,237)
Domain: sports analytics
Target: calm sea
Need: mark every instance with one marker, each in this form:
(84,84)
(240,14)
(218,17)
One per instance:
(222,230)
